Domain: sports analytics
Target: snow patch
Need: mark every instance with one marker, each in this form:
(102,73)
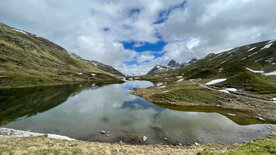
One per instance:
(267,46)
(251,49)
(180,80)
(252,54)
(20,31)
(270,73)
(222,62)
(255,71)
(215,81)
(231,89)
(224,91)
(19,133)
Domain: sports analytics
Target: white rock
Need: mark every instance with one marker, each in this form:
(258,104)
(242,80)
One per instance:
(231,114)
(103,132)
(80,73)
(145,138)
(197,144)
(92,74)
(159,84)
(179,77)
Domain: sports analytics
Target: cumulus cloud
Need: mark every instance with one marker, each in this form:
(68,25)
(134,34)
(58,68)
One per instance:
(218,25)
(96,29)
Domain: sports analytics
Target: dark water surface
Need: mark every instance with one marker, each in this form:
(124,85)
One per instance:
(82,111)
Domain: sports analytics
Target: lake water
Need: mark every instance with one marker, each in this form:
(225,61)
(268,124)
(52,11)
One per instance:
(82,111)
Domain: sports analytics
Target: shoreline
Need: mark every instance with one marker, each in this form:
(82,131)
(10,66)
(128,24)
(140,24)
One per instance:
(41,144)
(263,110)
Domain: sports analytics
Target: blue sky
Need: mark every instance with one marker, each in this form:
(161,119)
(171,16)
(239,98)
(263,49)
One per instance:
(133,36)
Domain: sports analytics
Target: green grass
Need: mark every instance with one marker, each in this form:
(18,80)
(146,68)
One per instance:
(191,93)
(260,146)
(250,82)
(27,60)
(202,73)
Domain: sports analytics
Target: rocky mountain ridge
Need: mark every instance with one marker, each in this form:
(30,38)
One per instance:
(170,66)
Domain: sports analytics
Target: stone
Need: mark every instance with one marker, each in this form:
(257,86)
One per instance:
(144,138)
(103,132)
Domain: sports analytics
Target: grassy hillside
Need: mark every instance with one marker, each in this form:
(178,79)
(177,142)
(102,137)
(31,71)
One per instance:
(29,60)
(232,65)
(254,91)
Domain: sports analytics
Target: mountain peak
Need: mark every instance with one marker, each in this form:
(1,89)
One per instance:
(173,63)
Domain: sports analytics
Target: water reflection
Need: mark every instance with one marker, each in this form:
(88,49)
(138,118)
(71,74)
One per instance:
(25,102)
(123,116)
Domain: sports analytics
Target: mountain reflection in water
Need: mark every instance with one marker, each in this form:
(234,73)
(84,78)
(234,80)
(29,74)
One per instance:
(81,112)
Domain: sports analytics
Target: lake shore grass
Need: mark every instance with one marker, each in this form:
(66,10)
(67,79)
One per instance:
(193,93)
(45,145)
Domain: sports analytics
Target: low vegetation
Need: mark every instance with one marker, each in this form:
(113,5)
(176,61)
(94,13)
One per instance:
(28,60)
(44,145)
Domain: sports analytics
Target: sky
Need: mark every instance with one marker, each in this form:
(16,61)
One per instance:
(133,36)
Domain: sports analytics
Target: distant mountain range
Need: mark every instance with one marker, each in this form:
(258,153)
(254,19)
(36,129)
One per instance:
(101,66)
(251,68)
(170,66)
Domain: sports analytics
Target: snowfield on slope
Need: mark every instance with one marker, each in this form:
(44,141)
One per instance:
(270,73)
(19,133)
(255,71)
(215,81)
(262,72)
(267,46)
(20,31)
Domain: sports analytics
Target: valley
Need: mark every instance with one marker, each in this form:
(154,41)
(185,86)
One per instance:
(202,106)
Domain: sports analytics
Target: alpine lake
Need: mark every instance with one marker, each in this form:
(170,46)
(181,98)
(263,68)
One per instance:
(110,114)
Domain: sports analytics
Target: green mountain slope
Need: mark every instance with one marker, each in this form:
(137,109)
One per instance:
(242,79)
(29,60)
(239,65)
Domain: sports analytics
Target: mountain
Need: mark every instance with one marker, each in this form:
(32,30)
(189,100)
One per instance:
(240,79)
(158,69)
(173,63)
(170,66)
(251,68)
(29,60)
(101,66)
(105,67)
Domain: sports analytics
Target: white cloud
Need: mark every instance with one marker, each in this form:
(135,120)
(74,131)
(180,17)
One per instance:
(95,29)
(219,25)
